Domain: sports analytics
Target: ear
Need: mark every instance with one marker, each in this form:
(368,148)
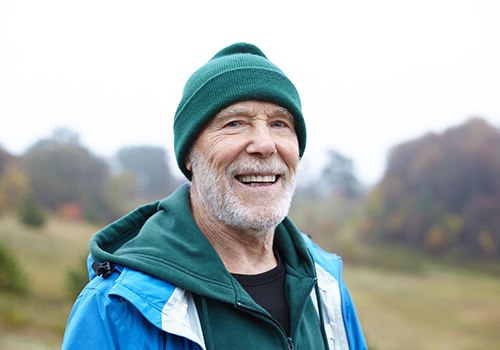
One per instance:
(189,166)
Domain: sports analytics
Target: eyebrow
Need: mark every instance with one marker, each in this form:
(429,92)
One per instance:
(232,111)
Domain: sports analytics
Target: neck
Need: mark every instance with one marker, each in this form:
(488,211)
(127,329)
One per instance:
(242,251)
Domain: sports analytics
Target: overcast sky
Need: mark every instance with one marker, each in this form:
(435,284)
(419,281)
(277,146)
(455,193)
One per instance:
(371,74)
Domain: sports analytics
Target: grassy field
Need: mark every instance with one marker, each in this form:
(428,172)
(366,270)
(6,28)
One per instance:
(432,307)
(38,320)
(437,308)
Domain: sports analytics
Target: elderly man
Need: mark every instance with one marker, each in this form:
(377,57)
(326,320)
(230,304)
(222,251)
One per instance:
(218,265)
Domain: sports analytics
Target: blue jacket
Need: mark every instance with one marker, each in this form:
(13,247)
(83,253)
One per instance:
(148,302)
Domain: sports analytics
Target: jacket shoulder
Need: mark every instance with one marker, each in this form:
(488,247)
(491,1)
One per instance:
(101,320)
(330,262)
(337,298)
(126,310)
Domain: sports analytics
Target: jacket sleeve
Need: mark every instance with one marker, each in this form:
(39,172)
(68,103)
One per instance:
(97,320)
(352,326)
(101,320)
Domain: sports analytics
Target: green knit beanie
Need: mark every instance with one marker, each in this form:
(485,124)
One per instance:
(238,72)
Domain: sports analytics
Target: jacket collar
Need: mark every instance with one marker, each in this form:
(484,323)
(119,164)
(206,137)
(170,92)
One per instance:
(162,239)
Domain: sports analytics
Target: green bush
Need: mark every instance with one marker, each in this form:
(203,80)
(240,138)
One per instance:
(31,213)
(12,278)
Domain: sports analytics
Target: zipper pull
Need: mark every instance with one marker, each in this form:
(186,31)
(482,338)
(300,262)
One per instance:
(289,341)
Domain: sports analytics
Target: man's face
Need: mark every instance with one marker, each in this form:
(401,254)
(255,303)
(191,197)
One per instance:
(244,164)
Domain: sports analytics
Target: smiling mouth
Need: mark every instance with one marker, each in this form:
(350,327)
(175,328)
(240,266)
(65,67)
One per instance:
(257,179)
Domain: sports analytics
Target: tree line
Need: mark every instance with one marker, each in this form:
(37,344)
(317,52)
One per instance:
(60,175)
(441,193)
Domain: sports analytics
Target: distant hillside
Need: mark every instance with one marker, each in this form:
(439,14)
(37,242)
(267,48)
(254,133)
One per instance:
(441,193)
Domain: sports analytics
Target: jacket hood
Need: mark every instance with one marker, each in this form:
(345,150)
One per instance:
(162,239)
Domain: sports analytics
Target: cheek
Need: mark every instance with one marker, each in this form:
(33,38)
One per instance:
(213,149)
(293,163)
(219,158)
(223,151)
(289,152)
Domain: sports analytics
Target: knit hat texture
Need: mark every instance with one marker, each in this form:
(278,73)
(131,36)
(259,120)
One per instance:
(238,72)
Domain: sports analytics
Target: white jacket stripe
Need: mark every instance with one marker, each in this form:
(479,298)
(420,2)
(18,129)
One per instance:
(332,310)
(180,317)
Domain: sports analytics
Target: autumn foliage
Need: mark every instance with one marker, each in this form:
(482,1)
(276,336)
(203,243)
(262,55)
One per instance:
(60,176)
(441,193)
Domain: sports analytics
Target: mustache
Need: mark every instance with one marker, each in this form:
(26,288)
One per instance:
(256,165)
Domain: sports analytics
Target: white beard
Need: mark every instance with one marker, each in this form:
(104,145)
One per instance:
(221,201)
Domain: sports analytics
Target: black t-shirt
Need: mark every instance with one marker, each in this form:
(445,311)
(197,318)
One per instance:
(268,290)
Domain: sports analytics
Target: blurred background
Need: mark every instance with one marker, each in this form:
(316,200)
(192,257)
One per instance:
(401,174)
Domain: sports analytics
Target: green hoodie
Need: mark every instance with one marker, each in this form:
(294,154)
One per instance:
(162,239)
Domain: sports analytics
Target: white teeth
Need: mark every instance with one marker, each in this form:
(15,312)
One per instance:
(257,178)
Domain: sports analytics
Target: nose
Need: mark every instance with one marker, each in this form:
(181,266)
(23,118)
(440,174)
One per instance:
(261,142)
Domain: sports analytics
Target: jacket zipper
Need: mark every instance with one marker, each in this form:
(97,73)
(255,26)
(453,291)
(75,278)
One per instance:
(302,303)
(289,340)
(260,314)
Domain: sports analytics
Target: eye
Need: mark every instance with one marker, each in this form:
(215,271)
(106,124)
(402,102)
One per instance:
(233,123)
(280,124)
